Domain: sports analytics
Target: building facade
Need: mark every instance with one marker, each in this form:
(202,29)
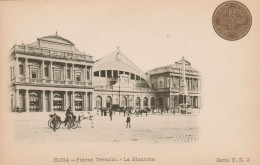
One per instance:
(171,89)
(51,74)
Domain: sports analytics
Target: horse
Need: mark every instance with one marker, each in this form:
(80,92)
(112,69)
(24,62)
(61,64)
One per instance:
(83,117)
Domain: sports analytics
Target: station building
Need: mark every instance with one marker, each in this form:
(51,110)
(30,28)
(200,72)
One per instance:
(51,74)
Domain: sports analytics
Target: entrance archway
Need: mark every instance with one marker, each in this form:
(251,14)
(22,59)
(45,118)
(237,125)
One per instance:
(152,102)
(108,102)
(57,102)
(145,102)
(98,102)
(124,101)
(160,102)
(34,102)
(78,102)
(137,103)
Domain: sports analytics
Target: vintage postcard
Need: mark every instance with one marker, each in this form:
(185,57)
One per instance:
(130,82)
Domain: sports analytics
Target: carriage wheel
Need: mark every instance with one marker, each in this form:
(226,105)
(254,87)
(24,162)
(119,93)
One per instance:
(50,124)
(74,124)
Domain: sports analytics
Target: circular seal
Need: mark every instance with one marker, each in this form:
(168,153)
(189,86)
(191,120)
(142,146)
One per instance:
(232,20)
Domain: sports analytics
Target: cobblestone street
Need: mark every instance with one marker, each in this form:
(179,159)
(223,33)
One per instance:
(153,129)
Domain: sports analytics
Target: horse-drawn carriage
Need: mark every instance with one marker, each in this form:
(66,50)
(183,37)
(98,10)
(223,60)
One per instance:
(70,121)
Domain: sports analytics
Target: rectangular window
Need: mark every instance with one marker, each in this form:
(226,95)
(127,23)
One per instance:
(96,74)
(127,73)
(57,75)
(88,75)
(78,77)
(34,73)
(46,72)
(121,72)
(68,74)
(103,73)
(115,72)
(160,83)
(132,76)
(109,73)
(137,77)
(21,69)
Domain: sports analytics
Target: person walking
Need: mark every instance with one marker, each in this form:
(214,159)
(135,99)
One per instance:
(128,121)
(110,114)
(124,110)
(54,121)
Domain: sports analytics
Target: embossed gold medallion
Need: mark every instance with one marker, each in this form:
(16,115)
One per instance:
(232,20)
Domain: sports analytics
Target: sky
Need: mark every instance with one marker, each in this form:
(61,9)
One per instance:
(155,33)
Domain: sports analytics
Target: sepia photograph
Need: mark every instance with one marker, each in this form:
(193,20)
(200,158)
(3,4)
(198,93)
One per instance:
(129,82)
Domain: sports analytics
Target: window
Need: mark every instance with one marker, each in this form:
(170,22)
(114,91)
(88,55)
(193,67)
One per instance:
(96,74)
(127,73)
(145,102)
(34,73)
(57,75)
(88,75)
(98,102)
(68,74)
(78,102)
(103,73)
(21,69)
(152,102)
(132,76)
(108,102)
(46,72)
(137,77)
(115,72)
(109,73)
(121,72)
(57,102)
(137,102)
(160,83)
(78,77)
(124,101)
(33,102)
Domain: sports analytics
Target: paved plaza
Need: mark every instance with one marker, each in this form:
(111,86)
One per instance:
(153,129)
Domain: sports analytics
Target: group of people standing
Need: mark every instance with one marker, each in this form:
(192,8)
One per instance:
(106,111)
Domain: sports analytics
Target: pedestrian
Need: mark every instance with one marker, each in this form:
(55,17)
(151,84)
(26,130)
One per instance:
(54,121)
(110,114)
(102,111)
(128,121)
(124,110)
(105,112)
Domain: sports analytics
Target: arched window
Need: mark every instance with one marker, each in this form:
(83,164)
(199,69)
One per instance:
(98,102)
(21,69)
(46,72)
(124,101)
(34,102)
(145,102)
(137,102)
(57,102)
(78,102)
